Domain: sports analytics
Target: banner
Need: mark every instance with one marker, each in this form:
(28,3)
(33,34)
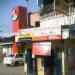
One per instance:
(41,48)
(46,32)
(38,38)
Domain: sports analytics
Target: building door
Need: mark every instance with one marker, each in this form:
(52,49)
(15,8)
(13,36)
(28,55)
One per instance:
(58,61)
(53,63)
(29,61)
(49,64)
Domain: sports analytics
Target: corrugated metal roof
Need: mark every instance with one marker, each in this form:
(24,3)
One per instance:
(5,43)
(7,34)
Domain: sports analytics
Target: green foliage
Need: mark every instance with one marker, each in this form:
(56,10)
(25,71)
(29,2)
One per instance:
(46,2)
(45,9)
(21,47)
(61,6)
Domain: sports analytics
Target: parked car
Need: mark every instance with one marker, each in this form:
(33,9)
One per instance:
(12,60)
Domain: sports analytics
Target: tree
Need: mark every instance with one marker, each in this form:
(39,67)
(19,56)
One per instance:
(61,6)
(21,47)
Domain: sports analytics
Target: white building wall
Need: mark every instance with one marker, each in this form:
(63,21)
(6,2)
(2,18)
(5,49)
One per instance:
(58,20)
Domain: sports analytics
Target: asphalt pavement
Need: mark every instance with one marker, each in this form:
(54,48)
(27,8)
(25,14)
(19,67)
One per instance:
(17,70)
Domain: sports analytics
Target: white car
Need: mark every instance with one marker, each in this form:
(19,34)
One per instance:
(12,60)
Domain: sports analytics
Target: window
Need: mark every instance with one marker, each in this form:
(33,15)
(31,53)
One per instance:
(37,24)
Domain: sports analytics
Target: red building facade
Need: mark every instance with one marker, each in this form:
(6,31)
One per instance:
(19,16)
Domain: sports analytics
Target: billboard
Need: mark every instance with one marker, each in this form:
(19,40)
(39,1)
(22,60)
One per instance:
(41,48)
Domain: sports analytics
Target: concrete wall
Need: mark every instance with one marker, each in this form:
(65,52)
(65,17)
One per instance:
(34,17)
(57,20)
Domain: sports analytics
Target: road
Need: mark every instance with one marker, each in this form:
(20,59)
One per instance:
(4,70)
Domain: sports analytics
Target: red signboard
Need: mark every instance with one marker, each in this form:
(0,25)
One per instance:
(41,48)
(38,38)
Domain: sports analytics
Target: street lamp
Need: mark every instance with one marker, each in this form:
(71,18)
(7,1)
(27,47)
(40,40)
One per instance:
(27,12)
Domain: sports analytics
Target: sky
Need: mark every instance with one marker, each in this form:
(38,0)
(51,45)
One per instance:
(6,12)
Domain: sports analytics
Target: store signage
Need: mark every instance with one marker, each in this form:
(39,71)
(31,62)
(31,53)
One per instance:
(25,40)
(42,38)
(65,34)
(38,38)
(25,35)
(41,48)
(53,32)
(55,37)
(14,15)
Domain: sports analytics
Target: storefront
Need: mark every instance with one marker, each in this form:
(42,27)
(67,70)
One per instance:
(43,60)
(47,54)
(42,51)
(49,62)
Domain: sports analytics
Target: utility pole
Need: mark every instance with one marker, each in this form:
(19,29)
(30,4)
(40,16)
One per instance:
(27,12)
(25,64)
